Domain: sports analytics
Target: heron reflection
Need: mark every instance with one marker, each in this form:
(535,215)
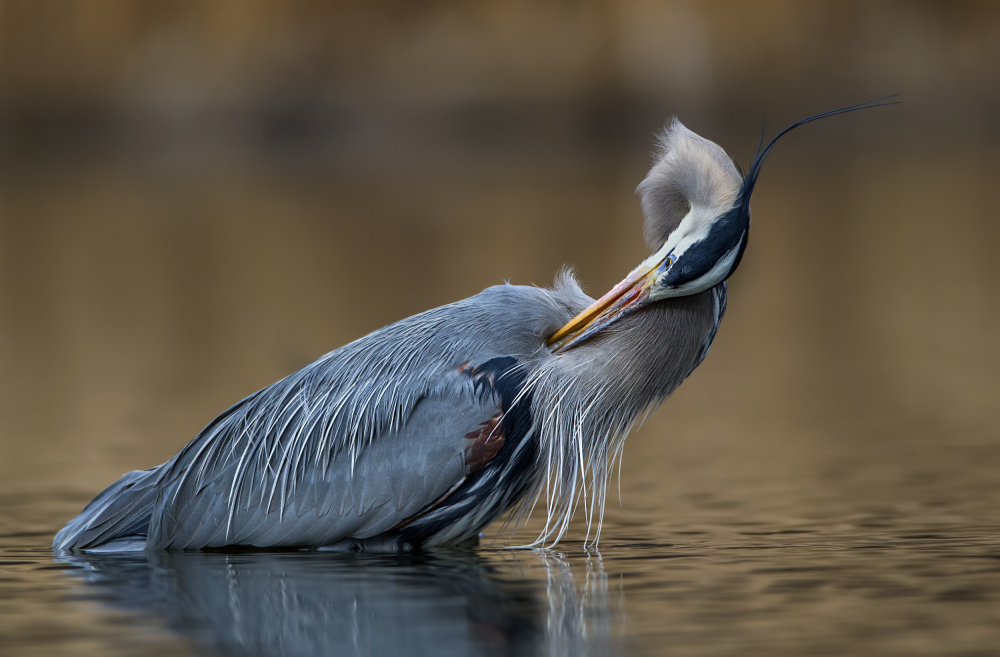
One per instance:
(309,603)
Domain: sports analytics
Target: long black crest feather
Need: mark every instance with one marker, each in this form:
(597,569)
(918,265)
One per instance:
(751,177)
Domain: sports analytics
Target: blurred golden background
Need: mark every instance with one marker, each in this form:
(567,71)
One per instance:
(197,198)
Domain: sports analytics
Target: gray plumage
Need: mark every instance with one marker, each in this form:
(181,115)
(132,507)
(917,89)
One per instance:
(425,431)
(364,437)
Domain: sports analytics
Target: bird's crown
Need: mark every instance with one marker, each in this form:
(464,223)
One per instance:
(689,172)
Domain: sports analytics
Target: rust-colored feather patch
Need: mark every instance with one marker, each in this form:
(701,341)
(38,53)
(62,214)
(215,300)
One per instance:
(487,441)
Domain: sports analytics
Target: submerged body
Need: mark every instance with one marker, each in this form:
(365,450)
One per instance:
(427,430)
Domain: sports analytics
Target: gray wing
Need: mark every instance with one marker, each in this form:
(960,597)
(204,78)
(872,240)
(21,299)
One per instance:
(357,442)
(287,498)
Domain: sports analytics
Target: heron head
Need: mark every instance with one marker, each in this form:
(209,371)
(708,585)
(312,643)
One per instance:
(697,215)
(697,207)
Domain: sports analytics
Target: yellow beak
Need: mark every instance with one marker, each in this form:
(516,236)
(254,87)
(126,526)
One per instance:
(623,299)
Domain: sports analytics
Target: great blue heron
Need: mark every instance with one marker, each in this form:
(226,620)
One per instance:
(427,430)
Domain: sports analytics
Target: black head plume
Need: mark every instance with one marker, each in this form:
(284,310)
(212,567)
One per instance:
(750,179)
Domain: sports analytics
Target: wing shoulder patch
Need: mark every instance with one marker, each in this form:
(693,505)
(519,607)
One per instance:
(487,441)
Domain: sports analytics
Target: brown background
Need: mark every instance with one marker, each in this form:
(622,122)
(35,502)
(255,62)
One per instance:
(198,198)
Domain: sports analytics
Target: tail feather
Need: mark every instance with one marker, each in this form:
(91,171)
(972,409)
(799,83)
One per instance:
(121,511)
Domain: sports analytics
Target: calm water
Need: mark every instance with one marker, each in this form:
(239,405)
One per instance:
(872,578)
(826,483)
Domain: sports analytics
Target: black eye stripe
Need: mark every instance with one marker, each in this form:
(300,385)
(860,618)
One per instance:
(727,232)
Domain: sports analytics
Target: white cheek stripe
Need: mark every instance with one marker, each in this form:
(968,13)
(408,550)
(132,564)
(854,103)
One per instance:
(710,279)
(693,228)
